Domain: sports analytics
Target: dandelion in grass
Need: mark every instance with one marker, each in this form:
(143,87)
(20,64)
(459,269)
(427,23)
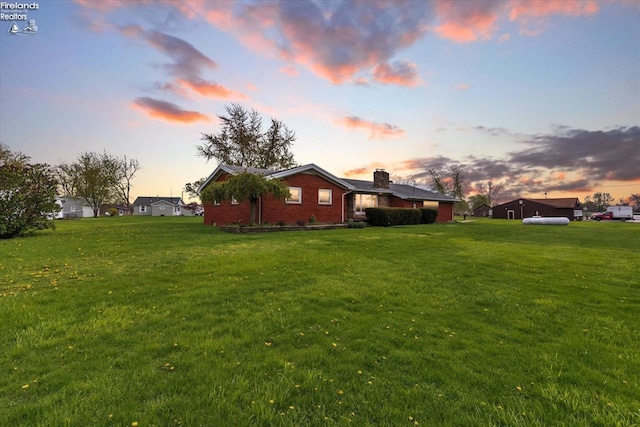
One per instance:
(25,386)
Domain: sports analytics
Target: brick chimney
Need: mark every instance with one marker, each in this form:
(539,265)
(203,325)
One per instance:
(381,179)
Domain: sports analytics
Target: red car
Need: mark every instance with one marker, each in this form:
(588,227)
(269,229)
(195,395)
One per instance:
(602,215)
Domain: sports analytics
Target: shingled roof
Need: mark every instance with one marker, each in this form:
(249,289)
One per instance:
(567,202)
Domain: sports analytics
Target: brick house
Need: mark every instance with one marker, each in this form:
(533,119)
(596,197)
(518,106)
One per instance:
(569,207)
(318,194)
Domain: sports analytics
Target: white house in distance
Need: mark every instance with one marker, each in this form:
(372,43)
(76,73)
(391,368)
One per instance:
(160,206)
(73,208)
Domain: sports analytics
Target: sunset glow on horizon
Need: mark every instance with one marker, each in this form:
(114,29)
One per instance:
(543,96)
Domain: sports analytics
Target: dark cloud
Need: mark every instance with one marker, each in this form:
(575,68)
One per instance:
(188,62)
(565,160)
(186,67)
(612,154)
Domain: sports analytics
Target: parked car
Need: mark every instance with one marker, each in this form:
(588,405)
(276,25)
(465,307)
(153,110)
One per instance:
(602,215)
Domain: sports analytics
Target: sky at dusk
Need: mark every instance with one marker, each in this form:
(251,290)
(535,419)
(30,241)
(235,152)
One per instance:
(543,96)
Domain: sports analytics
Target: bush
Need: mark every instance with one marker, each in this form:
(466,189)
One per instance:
(428,215)
(27,195)
(112,212)
(385,217)
(356,224)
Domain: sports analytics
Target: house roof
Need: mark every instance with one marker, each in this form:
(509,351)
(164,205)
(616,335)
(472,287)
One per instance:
(402,191)
(563,203)
(567,202)
(146,201)
(272,173)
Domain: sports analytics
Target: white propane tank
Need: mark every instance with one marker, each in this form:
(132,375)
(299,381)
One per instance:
(538,220)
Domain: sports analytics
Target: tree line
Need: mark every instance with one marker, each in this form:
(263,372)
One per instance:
(28,191)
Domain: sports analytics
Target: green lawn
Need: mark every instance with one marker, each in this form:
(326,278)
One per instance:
(164,321)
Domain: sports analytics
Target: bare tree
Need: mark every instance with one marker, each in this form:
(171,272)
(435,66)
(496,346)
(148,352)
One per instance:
(437,182)
(128,169)
(92,177)
(451,183)
(490,191)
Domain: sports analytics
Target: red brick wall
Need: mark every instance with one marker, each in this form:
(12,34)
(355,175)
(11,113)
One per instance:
(225,213)
(445,212)
(274,211)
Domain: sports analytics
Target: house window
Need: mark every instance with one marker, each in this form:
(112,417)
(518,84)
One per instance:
(216,203)
(234,201)
(73,208)
(177,209)
(364,201)
(324,197)
(296,195)
(143,209)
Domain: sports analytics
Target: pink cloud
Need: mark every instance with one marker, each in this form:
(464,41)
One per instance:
(342,42)
(210,90)
(289,70)
(376,130)
(401,73)
(504,38)
(365,171)
(463,86)
(167,111)
(466,21)
(524,8)
(335,41)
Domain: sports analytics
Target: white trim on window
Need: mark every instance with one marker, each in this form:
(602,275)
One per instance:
(234,201)
(325,197)
(142,209)
(296,195)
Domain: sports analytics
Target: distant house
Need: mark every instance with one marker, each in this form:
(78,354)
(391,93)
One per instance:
(526,208)
(318,194)
(160,206)
(482,210)
(73,208)
(122,209)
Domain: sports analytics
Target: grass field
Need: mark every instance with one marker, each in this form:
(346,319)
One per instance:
(163,322)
